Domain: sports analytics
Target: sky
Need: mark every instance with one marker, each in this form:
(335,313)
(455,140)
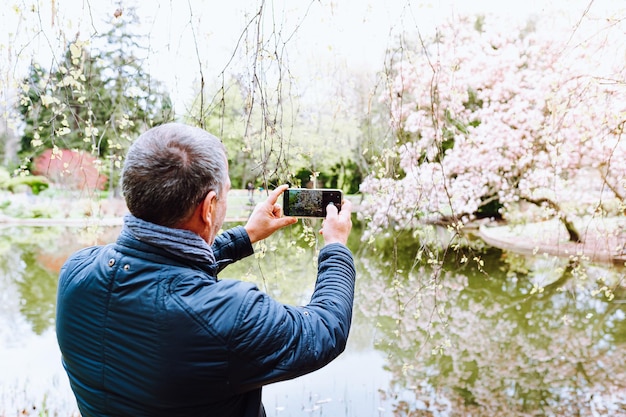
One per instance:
(321,38)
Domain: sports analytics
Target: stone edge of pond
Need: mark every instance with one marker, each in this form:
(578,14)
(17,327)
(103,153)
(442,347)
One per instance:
(604,239)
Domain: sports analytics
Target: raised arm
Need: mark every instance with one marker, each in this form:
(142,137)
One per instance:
(274,342)
(236,243)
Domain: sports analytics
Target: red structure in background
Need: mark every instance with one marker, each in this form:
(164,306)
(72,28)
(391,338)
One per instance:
(69,169)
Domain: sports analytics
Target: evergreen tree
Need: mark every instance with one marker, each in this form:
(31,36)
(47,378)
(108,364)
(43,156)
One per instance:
(97,98)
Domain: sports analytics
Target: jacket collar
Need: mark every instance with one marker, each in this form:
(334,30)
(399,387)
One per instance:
(181,243)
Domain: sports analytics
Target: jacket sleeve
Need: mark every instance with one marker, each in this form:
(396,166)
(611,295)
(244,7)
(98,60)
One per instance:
(231,246)
(274,342)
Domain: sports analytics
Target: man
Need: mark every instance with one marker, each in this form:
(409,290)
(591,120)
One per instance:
(144,325)
(250,188)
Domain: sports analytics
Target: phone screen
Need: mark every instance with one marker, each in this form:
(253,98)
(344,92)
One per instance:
(306,202)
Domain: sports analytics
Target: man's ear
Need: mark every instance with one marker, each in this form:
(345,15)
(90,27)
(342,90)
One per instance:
(207,209)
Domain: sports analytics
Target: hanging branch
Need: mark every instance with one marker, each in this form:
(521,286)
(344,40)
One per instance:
(200,66)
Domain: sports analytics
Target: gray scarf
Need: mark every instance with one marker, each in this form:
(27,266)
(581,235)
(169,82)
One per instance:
(179,242)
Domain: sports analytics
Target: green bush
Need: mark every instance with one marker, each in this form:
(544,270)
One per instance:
(4,177)
(36,183)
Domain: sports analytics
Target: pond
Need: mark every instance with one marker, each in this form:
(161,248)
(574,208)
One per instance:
(438,330)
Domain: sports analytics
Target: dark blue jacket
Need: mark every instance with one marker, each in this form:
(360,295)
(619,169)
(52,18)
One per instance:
(145,333)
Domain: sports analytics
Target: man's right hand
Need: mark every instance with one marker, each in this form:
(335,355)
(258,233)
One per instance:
(337,225)
(267,217)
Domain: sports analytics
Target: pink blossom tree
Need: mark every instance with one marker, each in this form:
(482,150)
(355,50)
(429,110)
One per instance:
(489,114)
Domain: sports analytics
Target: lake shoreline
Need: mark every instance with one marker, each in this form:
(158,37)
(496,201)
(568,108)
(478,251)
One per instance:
(604,238)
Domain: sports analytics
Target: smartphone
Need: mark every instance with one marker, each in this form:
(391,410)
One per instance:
(309,202)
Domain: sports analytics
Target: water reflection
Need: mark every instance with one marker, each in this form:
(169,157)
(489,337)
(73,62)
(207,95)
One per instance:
(476,332)
(31,378)
(30,260)
(498,341)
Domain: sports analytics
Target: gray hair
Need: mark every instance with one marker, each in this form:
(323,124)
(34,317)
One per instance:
(169,170)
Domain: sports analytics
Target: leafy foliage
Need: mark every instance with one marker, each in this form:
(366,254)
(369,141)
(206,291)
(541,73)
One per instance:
(94,100)
(35,183)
